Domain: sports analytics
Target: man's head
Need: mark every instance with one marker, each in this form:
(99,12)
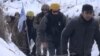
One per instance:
(45,8)
(87,12)
(17,15)
(30,15)
(55,8)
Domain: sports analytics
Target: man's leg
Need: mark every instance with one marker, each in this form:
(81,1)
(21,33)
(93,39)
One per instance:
(34,50)
(58,50)
(51,48)
(44,51)
(38,47)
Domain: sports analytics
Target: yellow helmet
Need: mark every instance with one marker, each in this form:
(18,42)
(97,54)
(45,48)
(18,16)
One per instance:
(30,13)
(55,6)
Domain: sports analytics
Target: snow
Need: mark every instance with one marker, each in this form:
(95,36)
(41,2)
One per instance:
(12,50)
(95,51)
(68,7)
(9,49)
(76,10)
(11,8)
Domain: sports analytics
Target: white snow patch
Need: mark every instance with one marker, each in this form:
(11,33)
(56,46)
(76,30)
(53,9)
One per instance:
(9,49)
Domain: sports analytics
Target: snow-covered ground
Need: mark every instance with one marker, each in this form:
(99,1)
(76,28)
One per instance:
(95,51)
(9,49)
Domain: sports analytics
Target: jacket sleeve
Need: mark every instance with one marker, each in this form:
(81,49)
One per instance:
(64,20)
(97,36)
(63,23)
(66,33)
(36,20)
(41,29)
(35,25)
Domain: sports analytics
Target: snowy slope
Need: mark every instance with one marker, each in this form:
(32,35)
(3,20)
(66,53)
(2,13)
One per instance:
(11,8)
(76,10)
(68,7)
(9,49)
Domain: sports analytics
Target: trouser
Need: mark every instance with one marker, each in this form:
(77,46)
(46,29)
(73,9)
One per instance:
(32,35)
(54,48)
(38,48)
(34,50)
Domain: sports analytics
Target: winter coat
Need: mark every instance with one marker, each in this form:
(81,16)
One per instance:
(39,17)
(31,29)
(14,30)
(38,39)
(51,26)
(81,35)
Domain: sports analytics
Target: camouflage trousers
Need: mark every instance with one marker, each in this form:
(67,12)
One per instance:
(21,41)
(39,50)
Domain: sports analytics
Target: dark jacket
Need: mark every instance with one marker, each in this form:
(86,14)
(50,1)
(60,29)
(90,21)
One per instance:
(39,17)
(49,27)
(31,29)
(81,35)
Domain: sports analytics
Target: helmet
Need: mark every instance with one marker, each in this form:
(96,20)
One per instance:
(30,13)
(55,6)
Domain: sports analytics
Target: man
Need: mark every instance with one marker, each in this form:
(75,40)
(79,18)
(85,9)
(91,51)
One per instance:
(14,30)
(44,9)
(12,22)
(50,29)
(31,31)
(17,37)
(81,32)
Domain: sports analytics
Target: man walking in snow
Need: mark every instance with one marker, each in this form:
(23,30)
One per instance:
(81,32)
(44,9)
(31,31)
(50,29)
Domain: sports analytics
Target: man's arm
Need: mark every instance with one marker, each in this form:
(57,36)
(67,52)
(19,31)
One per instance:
(66,33)
(41,29)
